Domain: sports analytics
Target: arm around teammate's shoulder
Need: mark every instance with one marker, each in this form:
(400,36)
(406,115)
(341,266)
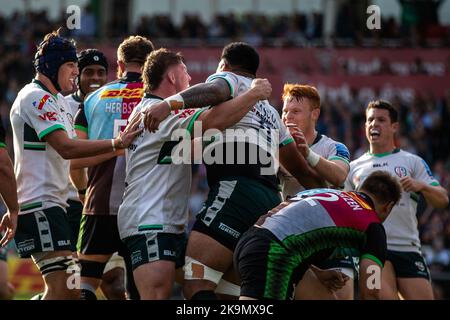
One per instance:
(232,111)
(73,148)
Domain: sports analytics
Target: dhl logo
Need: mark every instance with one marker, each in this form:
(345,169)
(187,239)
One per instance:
(123,93)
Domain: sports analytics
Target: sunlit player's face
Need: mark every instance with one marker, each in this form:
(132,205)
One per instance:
(299,112)
(67,74)
(92,77)
(182,77)
(380,130)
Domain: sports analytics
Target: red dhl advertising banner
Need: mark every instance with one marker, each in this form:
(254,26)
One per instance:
(417,71)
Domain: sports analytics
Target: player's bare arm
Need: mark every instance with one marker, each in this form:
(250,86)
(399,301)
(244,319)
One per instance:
(435,195)
(230,112)
(333,171)
(295,163)
(198,96)
(86,162)
(71,148)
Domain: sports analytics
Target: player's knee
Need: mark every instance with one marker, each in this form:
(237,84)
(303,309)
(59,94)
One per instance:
(113,284)
(61,275)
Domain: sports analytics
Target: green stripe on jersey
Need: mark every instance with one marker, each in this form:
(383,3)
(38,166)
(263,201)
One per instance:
(373,258)
(36,147)
(150,227)
(51,129)
(339,158)
(194,118)
(287,141)
(81,128)
(228,82)
(31,206)
(2,145)
(414,196)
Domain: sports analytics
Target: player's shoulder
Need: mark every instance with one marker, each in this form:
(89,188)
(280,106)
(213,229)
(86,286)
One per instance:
(33,90)
(146,102)
(325,140)
(33,95)
(361,159)
(402,154)
(222,75)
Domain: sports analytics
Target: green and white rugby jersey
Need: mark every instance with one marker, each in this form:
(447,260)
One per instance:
(260,127)
(42,174)
(326,148)
(401,224)
(74,101)
(157,186)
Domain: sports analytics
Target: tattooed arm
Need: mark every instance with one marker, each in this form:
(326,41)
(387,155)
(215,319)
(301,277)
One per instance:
(198,96)
(206,94)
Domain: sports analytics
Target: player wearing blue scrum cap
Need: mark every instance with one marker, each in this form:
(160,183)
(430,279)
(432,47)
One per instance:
(43,139)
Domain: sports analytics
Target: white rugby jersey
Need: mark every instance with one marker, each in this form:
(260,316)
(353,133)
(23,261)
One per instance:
(323,146)
(157,189)
(262,116)
(74,101)
(42,174)
(401,224)
(262,124)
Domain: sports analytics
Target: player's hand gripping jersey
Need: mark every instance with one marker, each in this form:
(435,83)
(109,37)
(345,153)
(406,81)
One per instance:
(326,148)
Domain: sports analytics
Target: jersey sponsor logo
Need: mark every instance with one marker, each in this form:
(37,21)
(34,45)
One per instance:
(380,165)
(401,171)
(182,114)
(169,253)
(136,257)
(123,93)
(50,116)
(25,246)
(229,230)
(63,242)
(42,102)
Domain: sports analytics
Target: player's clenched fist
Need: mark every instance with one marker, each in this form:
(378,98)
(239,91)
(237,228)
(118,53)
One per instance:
(261,88)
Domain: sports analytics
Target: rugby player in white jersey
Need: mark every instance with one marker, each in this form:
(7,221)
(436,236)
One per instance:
(329,159)
(405,271)
(241,188)
(43,141)
(154,213)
